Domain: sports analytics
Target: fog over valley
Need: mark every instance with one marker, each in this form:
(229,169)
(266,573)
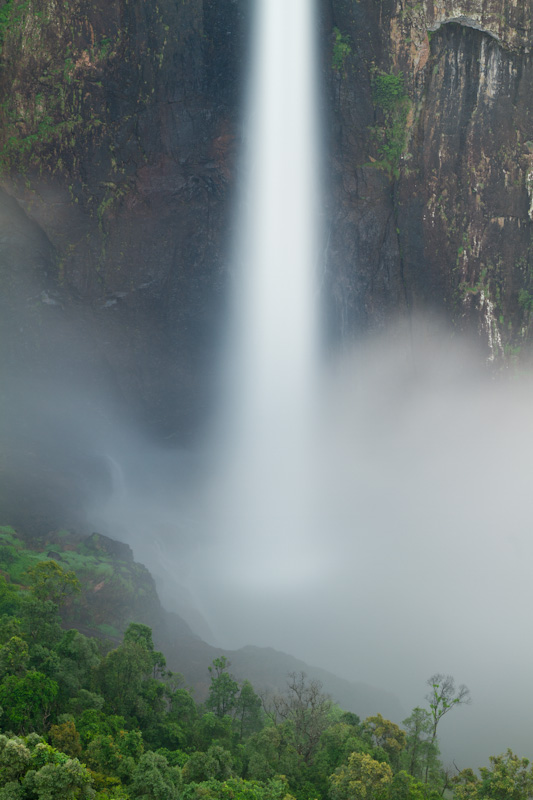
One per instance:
(416,555)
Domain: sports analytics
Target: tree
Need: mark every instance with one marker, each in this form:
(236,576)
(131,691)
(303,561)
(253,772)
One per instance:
(466,785)
(115,754)
(386,735)
(420,751)
(120,676)
(307,709)
(224,688)
(64,779)
(66,738)
(78,658)
(247,710)
(32,768)
(40,621)
(49,581)
(93,722)
(362,778)
(442,697)
(85,701)
(237,789)
(406,787)
(182,707)
(142,635)
(217,763)
(271,752)
(14,656)
(26,701)
(10,598)
(15,759)
(154,779)
(210,729)
(336,743)
(508,778)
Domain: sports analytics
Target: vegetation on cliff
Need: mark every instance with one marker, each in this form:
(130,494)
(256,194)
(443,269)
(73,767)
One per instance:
(390,133)
(51,111)
(114,589)
(87,718)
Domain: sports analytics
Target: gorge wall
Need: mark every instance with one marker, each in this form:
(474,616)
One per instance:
(118,124)
(432,192)
(119,135)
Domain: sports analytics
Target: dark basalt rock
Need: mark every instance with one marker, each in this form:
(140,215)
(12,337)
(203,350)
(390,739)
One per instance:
(127,178)
(98,543)
(451,230)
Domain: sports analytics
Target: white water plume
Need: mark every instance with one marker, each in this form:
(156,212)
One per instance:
(261,500)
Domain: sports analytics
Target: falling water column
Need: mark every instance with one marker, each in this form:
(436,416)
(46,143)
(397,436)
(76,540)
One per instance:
(264,509)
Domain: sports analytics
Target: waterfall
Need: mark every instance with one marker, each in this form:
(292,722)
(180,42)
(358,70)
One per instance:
(276,342)
(264,495)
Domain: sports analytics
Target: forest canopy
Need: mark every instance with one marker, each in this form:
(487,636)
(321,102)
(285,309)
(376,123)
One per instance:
(83,717)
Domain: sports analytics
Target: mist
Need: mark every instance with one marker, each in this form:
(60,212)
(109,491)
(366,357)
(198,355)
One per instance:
(418,553)
(417,560)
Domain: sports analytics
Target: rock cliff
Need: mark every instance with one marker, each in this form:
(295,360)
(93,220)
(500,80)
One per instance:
(432,159)
(119,128)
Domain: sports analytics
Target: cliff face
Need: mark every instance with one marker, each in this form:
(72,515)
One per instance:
(432,197)
(116,142)
(118,137)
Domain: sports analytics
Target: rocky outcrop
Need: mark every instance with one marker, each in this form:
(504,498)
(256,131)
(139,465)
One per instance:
(116,141)
(448,225)
(509,21)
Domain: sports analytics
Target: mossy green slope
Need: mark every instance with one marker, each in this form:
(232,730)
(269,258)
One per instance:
(115,590)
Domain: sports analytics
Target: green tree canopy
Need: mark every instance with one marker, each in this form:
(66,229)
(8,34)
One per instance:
(26,701)
(224,688)
(154,779)
(386,735)
(361,778)
(49,581)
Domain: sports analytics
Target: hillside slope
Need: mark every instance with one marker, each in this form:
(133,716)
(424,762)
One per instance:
(117,591)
